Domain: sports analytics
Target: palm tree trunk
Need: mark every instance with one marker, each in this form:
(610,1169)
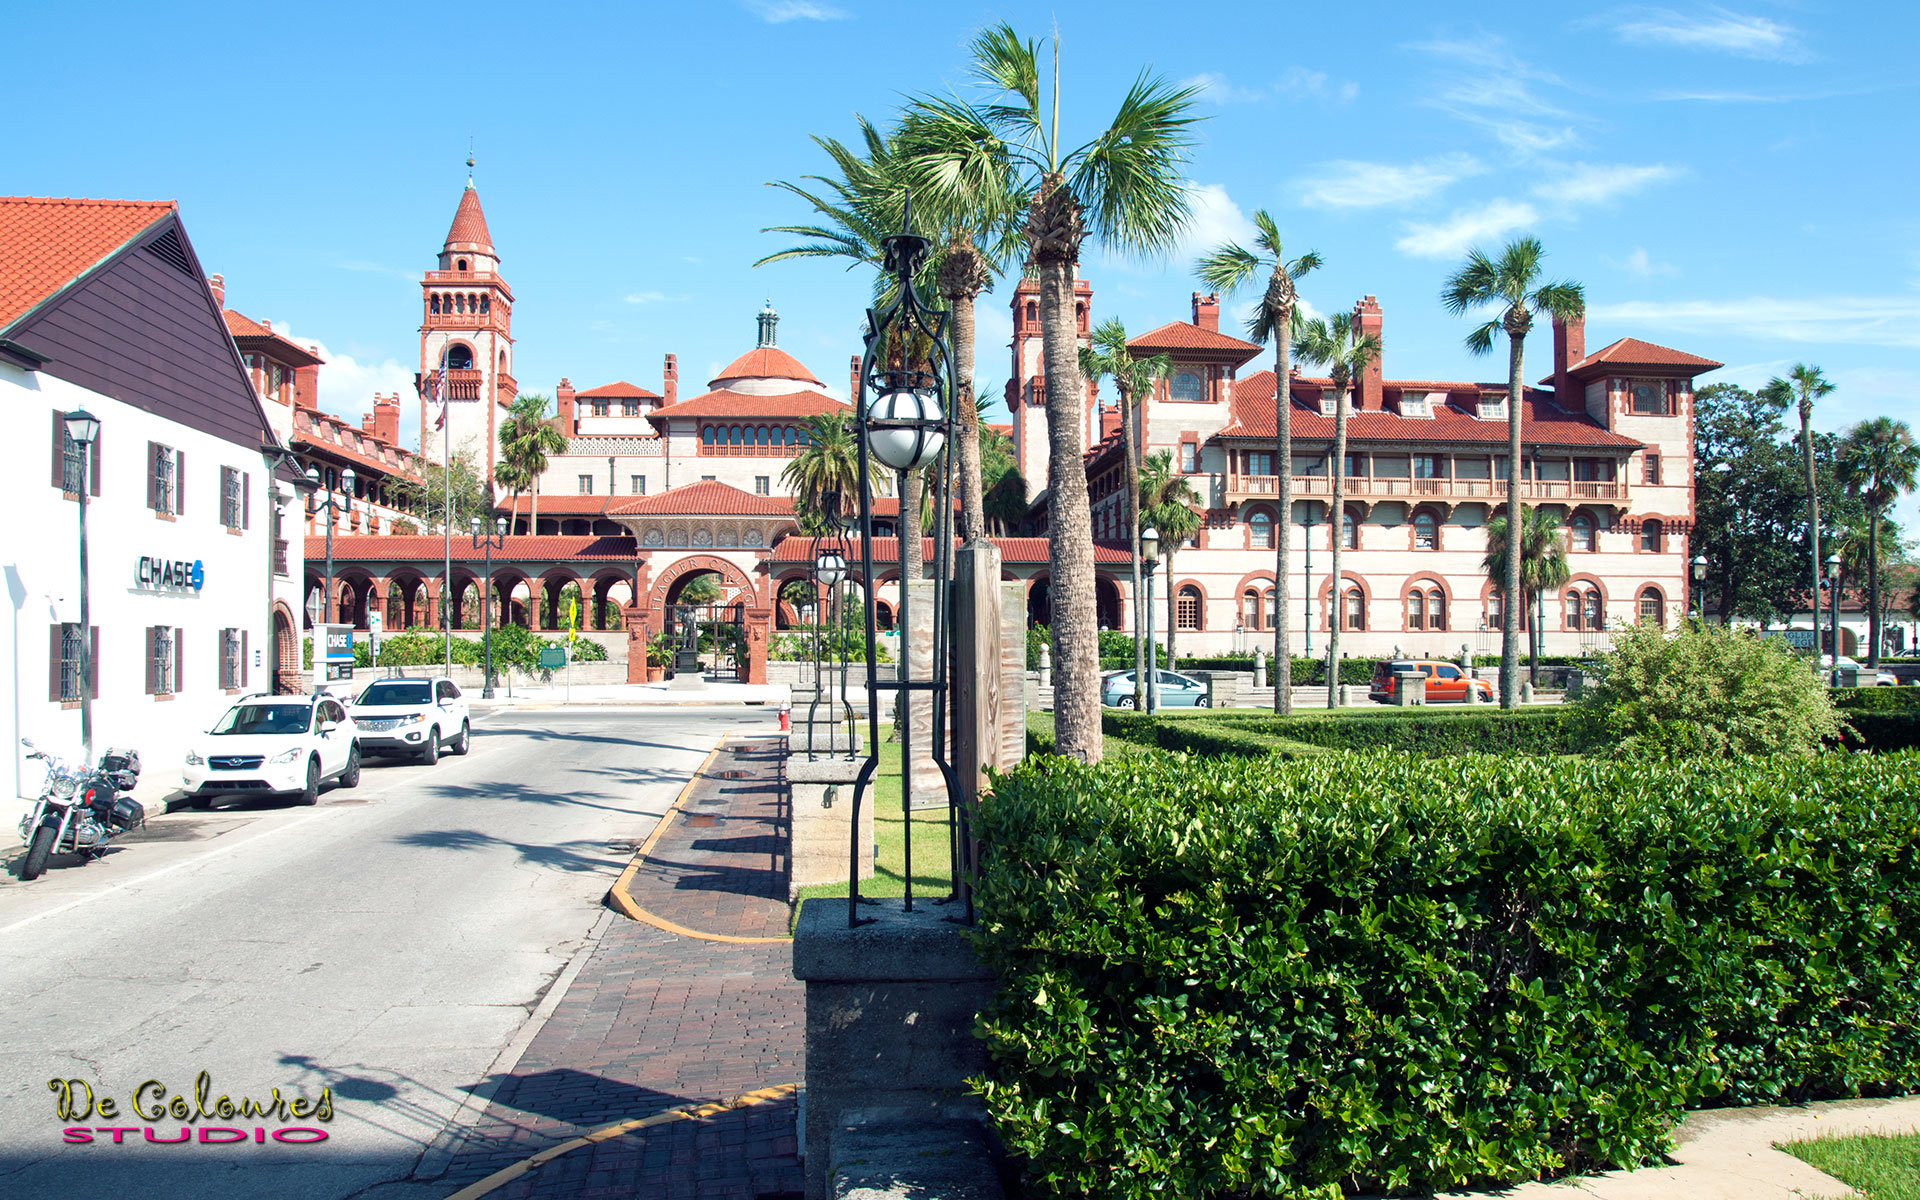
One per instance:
(1280,672)
(1813,529)
(912,555)
(1127,442)
(1076,645)
(1873,589)
(1512,600)
(533,512)
(972,503)
(1337,521)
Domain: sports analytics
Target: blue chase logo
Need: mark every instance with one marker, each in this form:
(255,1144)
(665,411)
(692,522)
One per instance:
(171,574)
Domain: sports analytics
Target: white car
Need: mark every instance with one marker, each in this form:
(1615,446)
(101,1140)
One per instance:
(274,745)
(1875,679)
(413,717)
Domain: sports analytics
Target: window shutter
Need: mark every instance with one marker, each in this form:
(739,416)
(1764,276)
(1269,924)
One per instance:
(153,684)
(153,494)
(59,448)
(246,500)
(53,662)
(179,660)
(243,658)
(180,481)
(93,662)
(93,465)
(220,658)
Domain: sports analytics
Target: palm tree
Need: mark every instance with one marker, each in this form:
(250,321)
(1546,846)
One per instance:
(1879,460)
(1168,503)
(1335,343)
(1804,385)
(526,439)
(828,464)
(1125,187)
(1226,270)
(1543,567)
(1133,379)
(1511,285)
(515,479)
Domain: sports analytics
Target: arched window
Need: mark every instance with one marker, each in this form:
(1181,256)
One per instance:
(1353,609)
(460,302)
(459,358)
(1653,607)
(1575,609)
(733,435)
(460,264)
(1187,386)
(433,303)
(706,435)
(1594,618)
(1260,529)
(1187,608)
(486,305)
(1436,609)
(793,435)
(1650,536)
(1496,610)
(1270,608)
(1417,610)
(1426,532)
(1349,531)
(1250,609)
(1033,312)
(1582,527)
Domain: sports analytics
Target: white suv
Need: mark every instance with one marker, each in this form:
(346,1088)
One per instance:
(274,745)
(413,716)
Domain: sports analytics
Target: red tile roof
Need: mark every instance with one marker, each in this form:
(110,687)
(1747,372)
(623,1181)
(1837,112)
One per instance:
(709,497)
(469,228)
(250,334)
(1021,550)
(764,362)
(564,505)
(1181,335)
(430,548)
(48,242)
(1634,352)
(1542,422)
(744,407)
(616,391)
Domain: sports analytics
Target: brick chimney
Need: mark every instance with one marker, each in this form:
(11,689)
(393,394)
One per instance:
(218,284)
(1206,311)
(670,380)
(386,418)
(1569,347)
(563,399)
(306,388)
(1367,320)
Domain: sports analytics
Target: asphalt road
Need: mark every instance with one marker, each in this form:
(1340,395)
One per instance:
(385,946)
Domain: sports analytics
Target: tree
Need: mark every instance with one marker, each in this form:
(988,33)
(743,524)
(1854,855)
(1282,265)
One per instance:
(828,465)
(1004,504)
(1226,270)
(1747,504)
(1133,379)
(424,489)
(1543,567)
(1168,503)
(1125,187)
(703,588)
(1511,285)
(1878,462)
(1335,343)
(526,439)
(1806,384)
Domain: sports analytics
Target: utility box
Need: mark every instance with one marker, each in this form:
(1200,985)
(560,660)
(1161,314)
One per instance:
(1409,690)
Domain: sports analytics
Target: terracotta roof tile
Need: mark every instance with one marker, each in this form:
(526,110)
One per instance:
(887,550)
(1181,335)
(248,334)
(1634,352)
(616,391)
(709,497)
(1542,423)
(430,548)
(469,228)
(765,362)
(564,505)
(48,242)
(745,407)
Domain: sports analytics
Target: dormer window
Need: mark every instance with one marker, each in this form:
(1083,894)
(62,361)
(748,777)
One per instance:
(1186,386)
(1492,408)
(1415,404)
(1649,396)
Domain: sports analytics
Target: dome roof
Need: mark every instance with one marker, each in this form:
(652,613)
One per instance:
(764,363)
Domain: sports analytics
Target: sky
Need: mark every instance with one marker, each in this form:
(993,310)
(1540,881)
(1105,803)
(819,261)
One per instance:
(1735,181)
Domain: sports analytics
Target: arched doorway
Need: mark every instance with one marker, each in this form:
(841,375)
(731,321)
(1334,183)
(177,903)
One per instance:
(1040,603)
(286,656)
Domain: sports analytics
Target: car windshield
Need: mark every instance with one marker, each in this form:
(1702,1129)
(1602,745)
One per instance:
(398,693)
(264,718)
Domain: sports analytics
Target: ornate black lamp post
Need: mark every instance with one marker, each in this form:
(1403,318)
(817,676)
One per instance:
(83,429)
(1146,696)
(1833,604)
(829,634)
(333,506)
(1699,587)
(903,417)
(496,537)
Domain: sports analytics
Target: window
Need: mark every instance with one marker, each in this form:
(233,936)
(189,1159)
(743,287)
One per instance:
(232,659)
(1436,609)
(1496,610)
(1650,469)
(629,408)
(1417,610)
(706,435)
(163,660)
(459,358)
(1187,386)
(1653,607)
(486,304)
(1649,396)
(1189,458)
(1356,466)
(70,459)
(762,485)
(1575,607)
(1250,609)
(1650,536)
(1582,527)
(1271,609)
(433,304)
(165,466)
(1594,618)
(276,379)
(1353,609)
(707,479)
(230,506)
(1429,466)
(1446,671)
(1492,408)
(1260,530)
(601,408)
(586,485)
(1349,532)
(1186,609)
(63,662)
(1426,532)
(639,485)
(1260,462)
(1414,404)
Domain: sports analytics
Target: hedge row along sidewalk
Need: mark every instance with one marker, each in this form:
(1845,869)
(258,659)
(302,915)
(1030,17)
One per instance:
(1384,972)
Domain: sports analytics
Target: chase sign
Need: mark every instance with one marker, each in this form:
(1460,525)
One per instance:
(170,574)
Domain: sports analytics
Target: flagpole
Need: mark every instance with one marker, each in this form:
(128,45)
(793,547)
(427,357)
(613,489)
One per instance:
(446,459)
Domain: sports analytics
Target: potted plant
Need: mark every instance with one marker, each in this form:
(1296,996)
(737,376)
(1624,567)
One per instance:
(659,656)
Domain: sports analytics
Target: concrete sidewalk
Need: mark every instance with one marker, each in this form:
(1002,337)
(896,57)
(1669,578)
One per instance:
(637,695)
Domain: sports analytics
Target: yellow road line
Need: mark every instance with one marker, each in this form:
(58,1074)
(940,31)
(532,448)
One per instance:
(622,899)
(696,1113)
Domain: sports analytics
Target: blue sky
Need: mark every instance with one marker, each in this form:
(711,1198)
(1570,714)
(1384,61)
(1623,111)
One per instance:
(1734,181)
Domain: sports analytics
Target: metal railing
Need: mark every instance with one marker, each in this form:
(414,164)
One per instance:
(1369,488)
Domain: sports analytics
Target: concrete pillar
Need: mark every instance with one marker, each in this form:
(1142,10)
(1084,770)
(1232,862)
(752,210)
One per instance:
(1259,668)
(822,821)
(1046,667)
(976,682)
(759,622)
(927,784)
(1013,673)
(637,633)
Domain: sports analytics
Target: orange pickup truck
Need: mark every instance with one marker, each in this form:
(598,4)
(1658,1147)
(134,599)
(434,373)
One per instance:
(1445,681)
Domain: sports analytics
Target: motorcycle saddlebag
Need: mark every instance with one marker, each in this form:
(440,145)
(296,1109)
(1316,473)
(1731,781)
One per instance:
(120,760)
(128,812)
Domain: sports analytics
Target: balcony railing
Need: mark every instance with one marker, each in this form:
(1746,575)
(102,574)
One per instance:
(1242,488)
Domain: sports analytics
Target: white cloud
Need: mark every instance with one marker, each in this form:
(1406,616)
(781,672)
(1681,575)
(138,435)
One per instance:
(348,385)
(1727,32)
(779,12)
(1298,83)
(1834,320)
(1464,228)
(1641,264)
(1493,89)
(653,298)
(1597,183)
(1350,184)
(1215,219)
(1215,89)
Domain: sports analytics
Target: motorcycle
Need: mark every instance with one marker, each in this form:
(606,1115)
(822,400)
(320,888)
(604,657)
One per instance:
(78,811)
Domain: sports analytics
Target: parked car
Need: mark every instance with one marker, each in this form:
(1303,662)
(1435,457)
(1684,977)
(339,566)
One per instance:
(1446,682)
(413,717)
(273,745)
(1834,666)
(1175,691)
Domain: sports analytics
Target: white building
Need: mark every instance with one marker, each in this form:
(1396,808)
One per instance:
(104,307)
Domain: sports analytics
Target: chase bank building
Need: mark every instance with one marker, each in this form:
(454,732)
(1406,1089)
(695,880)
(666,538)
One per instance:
(104,309)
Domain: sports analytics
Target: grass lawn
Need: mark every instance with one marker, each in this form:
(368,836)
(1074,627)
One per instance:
(932,868)
(1880,1168)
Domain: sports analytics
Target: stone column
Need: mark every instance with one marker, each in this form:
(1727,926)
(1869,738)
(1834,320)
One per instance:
(637,634)
(758,622)
(976,682)
(1013,673)
(927,784)
(822,821)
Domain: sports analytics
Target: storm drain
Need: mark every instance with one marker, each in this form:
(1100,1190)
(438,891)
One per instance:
(700,820)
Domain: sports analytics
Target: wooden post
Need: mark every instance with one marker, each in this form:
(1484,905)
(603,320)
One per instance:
(976,666)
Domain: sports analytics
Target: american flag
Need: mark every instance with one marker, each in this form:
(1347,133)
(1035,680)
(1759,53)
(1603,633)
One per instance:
(439,393)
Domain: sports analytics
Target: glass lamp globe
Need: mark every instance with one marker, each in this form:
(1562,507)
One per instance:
(1150,543)
(905,433)
(830,567)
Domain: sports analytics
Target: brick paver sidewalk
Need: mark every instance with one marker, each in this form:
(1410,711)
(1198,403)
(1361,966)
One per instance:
(656,1021)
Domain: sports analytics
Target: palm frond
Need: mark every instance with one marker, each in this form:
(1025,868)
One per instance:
(1480,341)
(1474,284)
(1267,233)
(999,58)
(1129,180)
(1310,261)
(1228,267)
(1565,301)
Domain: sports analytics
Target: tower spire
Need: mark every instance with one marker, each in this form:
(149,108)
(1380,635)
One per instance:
(469,161)
(769,326)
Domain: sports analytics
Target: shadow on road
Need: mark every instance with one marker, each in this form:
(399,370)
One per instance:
(578,856)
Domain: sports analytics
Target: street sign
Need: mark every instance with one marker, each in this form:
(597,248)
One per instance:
(334,643)
(552,657)
(376,623)
(573,620)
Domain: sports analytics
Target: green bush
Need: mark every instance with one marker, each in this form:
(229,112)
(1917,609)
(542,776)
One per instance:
(1876,699)
(1705,689)
(1882,731)
(1431,733)
(588,650)
(1227,978)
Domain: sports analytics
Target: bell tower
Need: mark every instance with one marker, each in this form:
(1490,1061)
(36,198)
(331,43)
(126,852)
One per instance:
(466,341)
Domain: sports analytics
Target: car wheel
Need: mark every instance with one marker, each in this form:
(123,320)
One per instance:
(37,852)
(1126,702)
(464,742)
(350,778)
(430,753)
(1203,702)
(310,795)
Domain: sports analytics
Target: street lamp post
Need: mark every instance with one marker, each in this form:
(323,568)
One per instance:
(1146,697)
(1833,604)
(83,428)
(496,537)
(1307,593)
(332,506)
(1699,588)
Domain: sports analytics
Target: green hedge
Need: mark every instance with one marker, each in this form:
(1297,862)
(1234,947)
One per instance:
(1877,699)
(1431,733)
(1381,972)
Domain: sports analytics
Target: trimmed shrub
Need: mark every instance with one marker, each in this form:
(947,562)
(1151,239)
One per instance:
(1223,978)
(1706,690)
(1876,699)
(1430,732)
